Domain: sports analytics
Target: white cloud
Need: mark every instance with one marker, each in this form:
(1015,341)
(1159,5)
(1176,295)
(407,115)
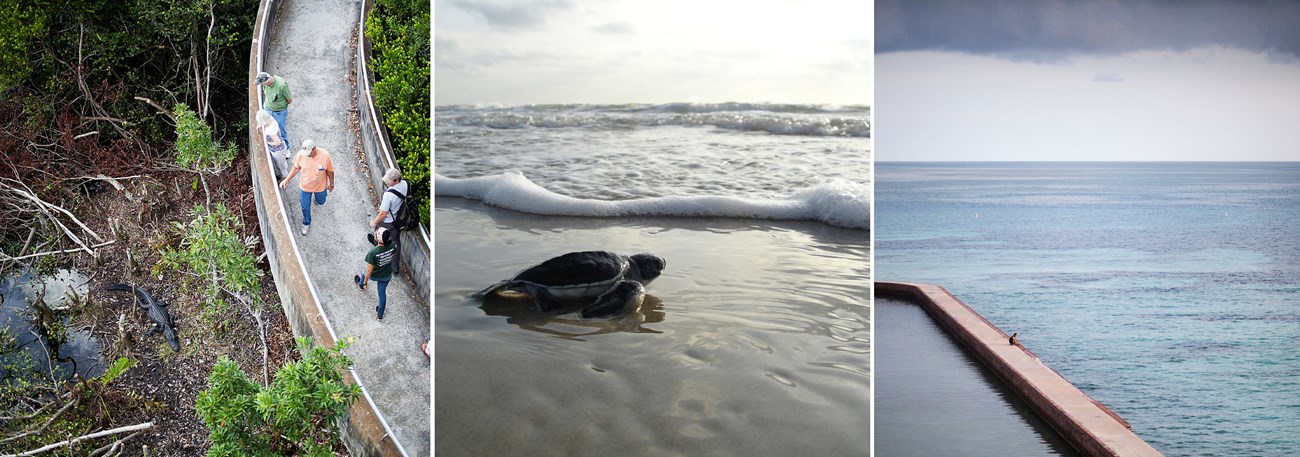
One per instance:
(621,51)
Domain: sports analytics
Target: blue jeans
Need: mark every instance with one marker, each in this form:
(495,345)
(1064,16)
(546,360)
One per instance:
(381,287)
(304,199)
(281,117)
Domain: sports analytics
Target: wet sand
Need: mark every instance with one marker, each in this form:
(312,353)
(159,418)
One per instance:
(754,342)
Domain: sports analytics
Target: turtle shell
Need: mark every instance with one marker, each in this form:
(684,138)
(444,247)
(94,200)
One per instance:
(577,274)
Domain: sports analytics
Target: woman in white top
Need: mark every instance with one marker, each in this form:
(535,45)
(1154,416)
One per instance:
(275,144)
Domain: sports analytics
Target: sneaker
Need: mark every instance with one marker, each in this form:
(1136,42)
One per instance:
(357,279)
(305,229)
(381,316)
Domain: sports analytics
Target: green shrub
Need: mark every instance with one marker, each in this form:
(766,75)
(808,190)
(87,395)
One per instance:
(295,415)
(215,256)
(194,146)
(399,33)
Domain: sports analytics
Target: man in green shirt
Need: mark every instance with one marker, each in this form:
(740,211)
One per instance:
(379,268)
(276,99)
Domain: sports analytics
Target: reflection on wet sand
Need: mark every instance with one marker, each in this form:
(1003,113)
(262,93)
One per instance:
(519,311)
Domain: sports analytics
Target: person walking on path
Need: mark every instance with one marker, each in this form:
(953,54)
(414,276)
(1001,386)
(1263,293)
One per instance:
(379,268)
(392,201)
(276,147)
(277,97)
(317,179)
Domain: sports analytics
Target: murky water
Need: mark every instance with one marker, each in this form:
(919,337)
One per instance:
(79,353)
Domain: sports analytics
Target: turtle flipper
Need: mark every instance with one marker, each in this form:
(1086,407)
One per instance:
(624,296)
(542,298)
(492,289)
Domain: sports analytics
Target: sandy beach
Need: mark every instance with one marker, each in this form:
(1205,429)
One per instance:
(753,342)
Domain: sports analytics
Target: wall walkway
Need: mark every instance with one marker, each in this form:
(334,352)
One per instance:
(309,44)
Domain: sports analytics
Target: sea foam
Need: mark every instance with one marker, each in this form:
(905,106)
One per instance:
(799,120)
(836,202)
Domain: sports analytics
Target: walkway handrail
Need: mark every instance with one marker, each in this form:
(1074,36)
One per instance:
(261,174)
(383,151)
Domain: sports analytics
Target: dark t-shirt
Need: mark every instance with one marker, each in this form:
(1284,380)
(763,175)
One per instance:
(382,258)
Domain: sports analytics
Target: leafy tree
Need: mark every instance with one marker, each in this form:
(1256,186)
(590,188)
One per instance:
(399,31)
(295,415)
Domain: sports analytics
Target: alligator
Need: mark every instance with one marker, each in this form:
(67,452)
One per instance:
(157,312)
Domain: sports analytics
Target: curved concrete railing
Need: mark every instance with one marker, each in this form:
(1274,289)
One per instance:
(364,430)
(379,156)
(1089,426)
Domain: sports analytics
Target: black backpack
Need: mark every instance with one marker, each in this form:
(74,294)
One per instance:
(408,215)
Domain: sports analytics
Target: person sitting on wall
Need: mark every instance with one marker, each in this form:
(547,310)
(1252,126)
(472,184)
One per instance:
(1014,341)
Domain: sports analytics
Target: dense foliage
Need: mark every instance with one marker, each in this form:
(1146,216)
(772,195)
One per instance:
(293,416)
(94,57)
(399,32)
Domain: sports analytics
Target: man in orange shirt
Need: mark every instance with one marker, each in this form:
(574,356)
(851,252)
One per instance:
(317,179)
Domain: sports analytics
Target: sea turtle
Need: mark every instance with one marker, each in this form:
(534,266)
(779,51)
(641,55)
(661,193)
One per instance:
(616,282)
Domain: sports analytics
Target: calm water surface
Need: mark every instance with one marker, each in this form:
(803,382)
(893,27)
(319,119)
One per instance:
(932,398)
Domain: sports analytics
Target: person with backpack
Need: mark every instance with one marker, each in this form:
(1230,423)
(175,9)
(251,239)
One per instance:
(391,206)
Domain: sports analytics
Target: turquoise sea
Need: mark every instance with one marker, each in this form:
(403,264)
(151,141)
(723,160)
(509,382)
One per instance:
(1170,292)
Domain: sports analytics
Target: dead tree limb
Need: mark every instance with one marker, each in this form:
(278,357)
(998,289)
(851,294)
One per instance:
(159,107)
(110,449)
(43,426)
(65,251)
(129,428)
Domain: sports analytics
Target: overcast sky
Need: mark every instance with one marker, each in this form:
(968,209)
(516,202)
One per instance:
(1087,80)
(652,51)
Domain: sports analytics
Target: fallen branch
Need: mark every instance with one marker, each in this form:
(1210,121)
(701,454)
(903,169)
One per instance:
(111,180)
(159,107)
(43,426)
(111,449)
(45,206)
(65,251)
(130,428)
(29,416)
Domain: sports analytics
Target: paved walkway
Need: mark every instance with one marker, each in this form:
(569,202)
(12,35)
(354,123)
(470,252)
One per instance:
(310,49)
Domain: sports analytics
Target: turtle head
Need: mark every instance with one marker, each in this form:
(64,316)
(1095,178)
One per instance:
(648,267)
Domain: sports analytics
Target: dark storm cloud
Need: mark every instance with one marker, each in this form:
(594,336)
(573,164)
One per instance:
(1060,29)
(514,15)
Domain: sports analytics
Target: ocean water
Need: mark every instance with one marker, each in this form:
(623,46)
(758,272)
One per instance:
(789,162)
(1170,292)
(754,341)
